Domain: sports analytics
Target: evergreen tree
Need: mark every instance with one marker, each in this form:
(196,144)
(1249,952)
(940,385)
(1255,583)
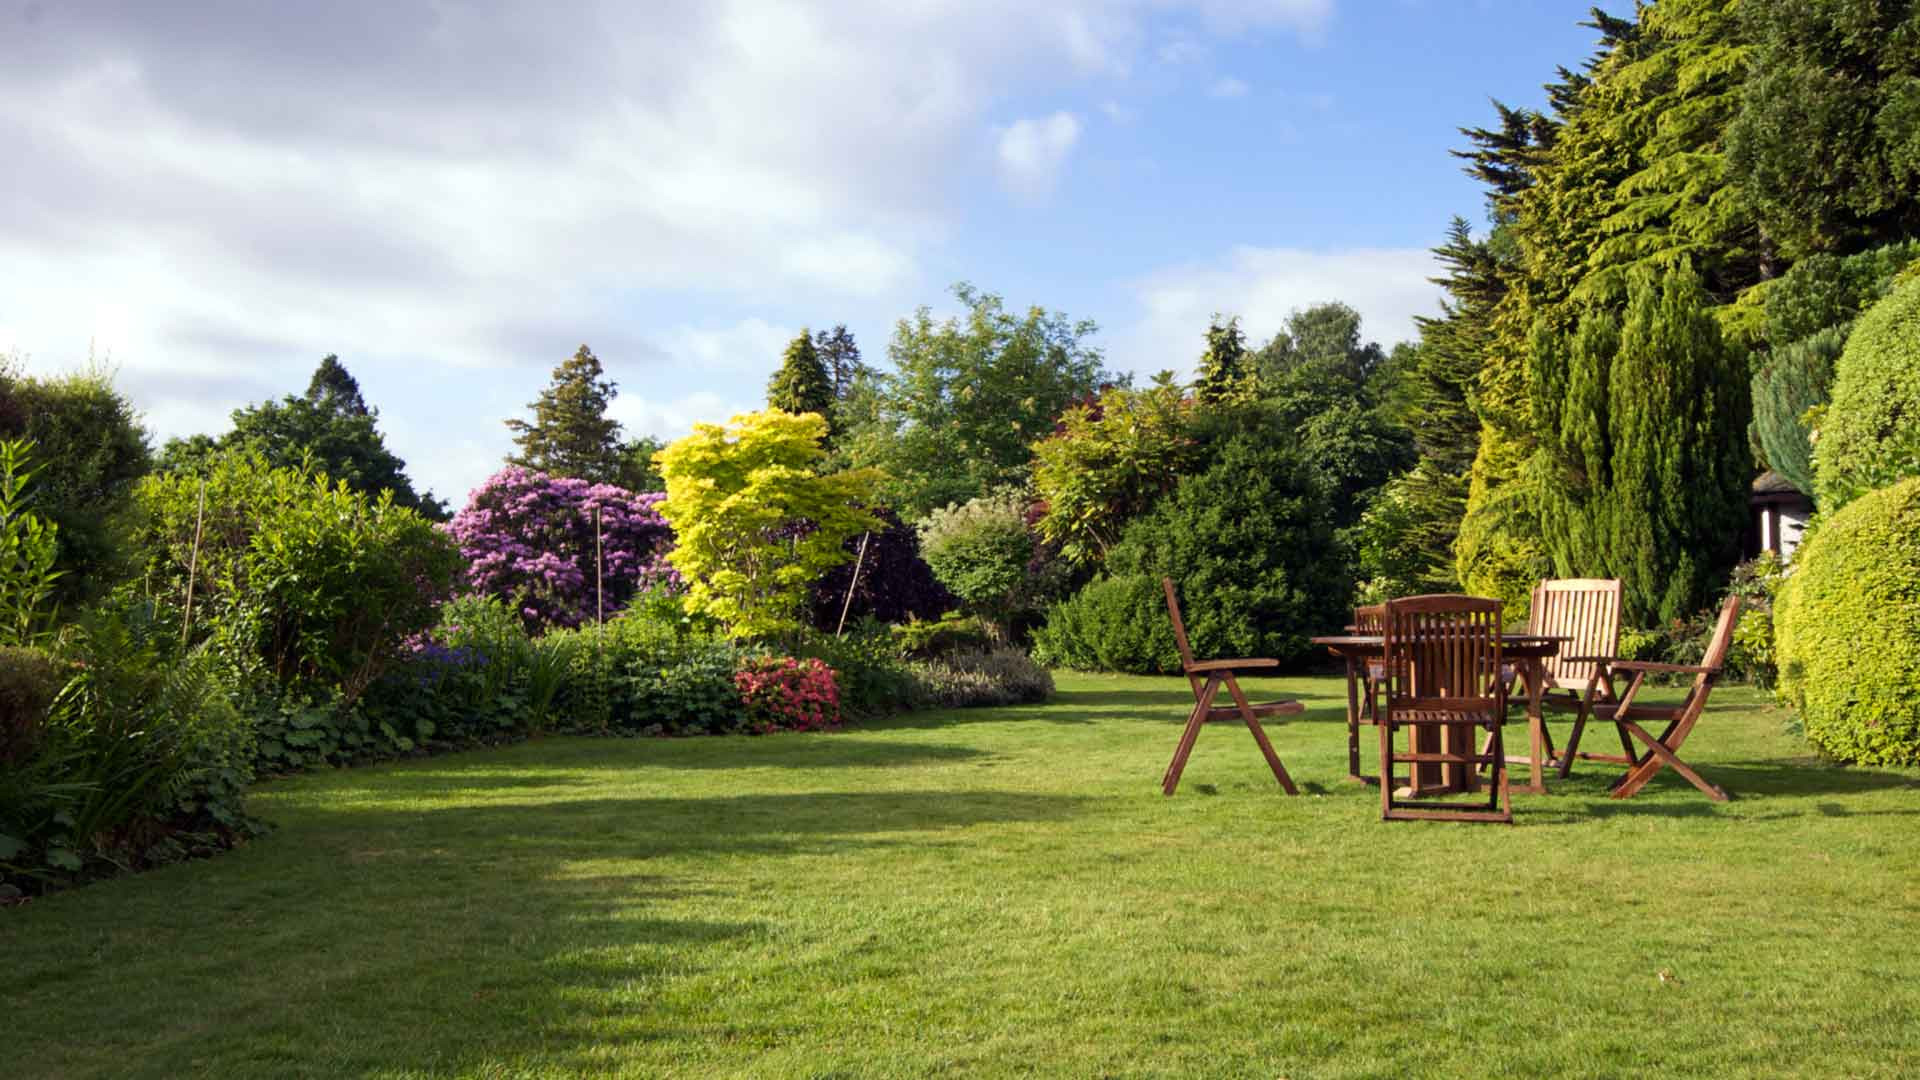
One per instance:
(1826,145)
(802,385)
(1225,366)
(841,356)
(335,389)
(571,434)
(1644,460)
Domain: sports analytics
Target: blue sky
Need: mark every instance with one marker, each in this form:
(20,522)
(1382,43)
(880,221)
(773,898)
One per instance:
(452,199)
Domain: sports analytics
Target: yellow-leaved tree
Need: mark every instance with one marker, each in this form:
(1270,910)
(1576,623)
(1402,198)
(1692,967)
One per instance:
(755,521)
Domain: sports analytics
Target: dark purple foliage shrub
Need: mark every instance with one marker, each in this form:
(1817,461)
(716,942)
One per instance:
(528,537)
(895,585)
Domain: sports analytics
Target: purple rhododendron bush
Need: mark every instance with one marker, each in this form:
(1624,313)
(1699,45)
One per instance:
(529,538)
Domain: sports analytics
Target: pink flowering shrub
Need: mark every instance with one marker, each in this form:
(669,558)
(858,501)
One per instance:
(784,694)
(528,538)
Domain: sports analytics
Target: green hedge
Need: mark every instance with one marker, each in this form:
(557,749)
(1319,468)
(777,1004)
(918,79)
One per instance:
(1870,434)
(1848,627)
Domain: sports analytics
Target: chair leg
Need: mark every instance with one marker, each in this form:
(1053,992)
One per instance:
(1386,769)
(1573,744)
(1260,736)
(1658,754)
(1202,706)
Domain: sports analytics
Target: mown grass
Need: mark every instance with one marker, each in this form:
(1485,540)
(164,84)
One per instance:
(999,892)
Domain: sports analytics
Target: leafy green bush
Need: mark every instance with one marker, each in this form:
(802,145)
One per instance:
(1114,623)
(980,550)
(1823,291)
(867,665)
(142,760)
(1869,436)
(91,449)
(1250,546)
(29,548)
(999,676)
(295,579)
(29,679)
(1848,625)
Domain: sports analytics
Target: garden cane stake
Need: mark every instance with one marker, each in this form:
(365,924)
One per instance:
(841,630)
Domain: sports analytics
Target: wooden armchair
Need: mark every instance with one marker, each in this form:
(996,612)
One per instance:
(1218,673)
(1625,713)
(1444,682)
(1587,610)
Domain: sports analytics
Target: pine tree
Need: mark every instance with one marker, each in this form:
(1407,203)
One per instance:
(334,388)
(802,385)
(1224,367)
(841,356)
(571,434)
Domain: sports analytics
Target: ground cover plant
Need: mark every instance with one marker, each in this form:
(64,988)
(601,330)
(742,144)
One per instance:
(998,892)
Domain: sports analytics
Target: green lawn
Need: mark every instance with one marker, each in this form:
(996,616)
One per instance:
(998,892)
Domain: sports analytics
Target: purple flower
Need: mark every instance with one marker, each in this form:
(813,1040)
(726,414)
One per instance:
(530,536)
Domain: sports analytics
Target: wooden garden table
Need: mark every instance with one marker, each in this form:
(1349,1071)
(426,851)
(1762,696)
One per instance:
(1524,651)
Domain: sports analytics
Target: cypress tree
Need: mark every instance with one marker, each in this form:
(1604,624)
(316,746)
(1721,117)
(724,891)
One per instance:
(802,384)
(571,434)
(1644,466)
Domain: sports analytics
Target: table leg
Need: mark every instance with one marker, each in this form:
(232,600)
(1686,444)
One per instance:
(1532,676)
(1353,723)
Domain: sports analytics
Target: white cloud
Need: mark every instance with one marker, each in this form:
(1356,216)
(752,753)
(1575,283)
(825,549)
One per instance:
(1387,286)
(1228,87)
(452,197)
(1033,151)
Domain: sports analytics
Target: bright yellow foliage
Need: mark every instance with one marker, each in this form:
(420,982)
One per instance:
(741,499)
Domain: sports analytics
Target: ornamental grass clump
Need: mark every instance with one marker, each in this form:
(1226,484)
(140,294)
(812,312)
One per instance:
(784,694)
(529,537)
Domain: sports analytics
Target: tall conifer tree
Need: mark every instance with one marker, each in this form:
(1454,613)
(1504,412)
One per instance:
(802,384)
(571,434)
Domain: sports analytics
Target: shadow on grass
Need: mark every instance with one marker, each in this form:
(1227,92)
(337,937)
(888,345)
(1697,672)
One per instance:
(650,826)
(512,931)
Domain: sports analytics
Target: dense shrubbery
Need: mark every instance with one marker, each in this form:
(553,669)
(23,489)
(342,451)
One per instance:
(293,579)
(529,538)
(1849,630)
(89,449)
(1250,546)
(997,676)
(1869,436)
(139,759)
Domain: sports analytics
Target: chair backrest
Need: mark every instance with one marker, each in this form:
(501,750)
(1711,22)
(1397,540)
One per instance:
(1370,619)
(1443,656)
(1179,624)
(1584,609)
(1721,642)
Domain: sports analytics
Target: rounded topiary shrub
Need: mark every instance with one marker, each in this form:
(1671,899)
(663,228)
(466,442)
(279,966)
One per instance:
(1870,433)
(1848,630)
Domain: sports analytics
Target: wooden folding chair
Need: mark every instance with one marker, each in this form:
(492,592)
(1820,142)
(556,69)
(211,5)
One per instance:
(1443,675)
(1655,754)
(1371,619)
(1218,673)
(1587,610)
